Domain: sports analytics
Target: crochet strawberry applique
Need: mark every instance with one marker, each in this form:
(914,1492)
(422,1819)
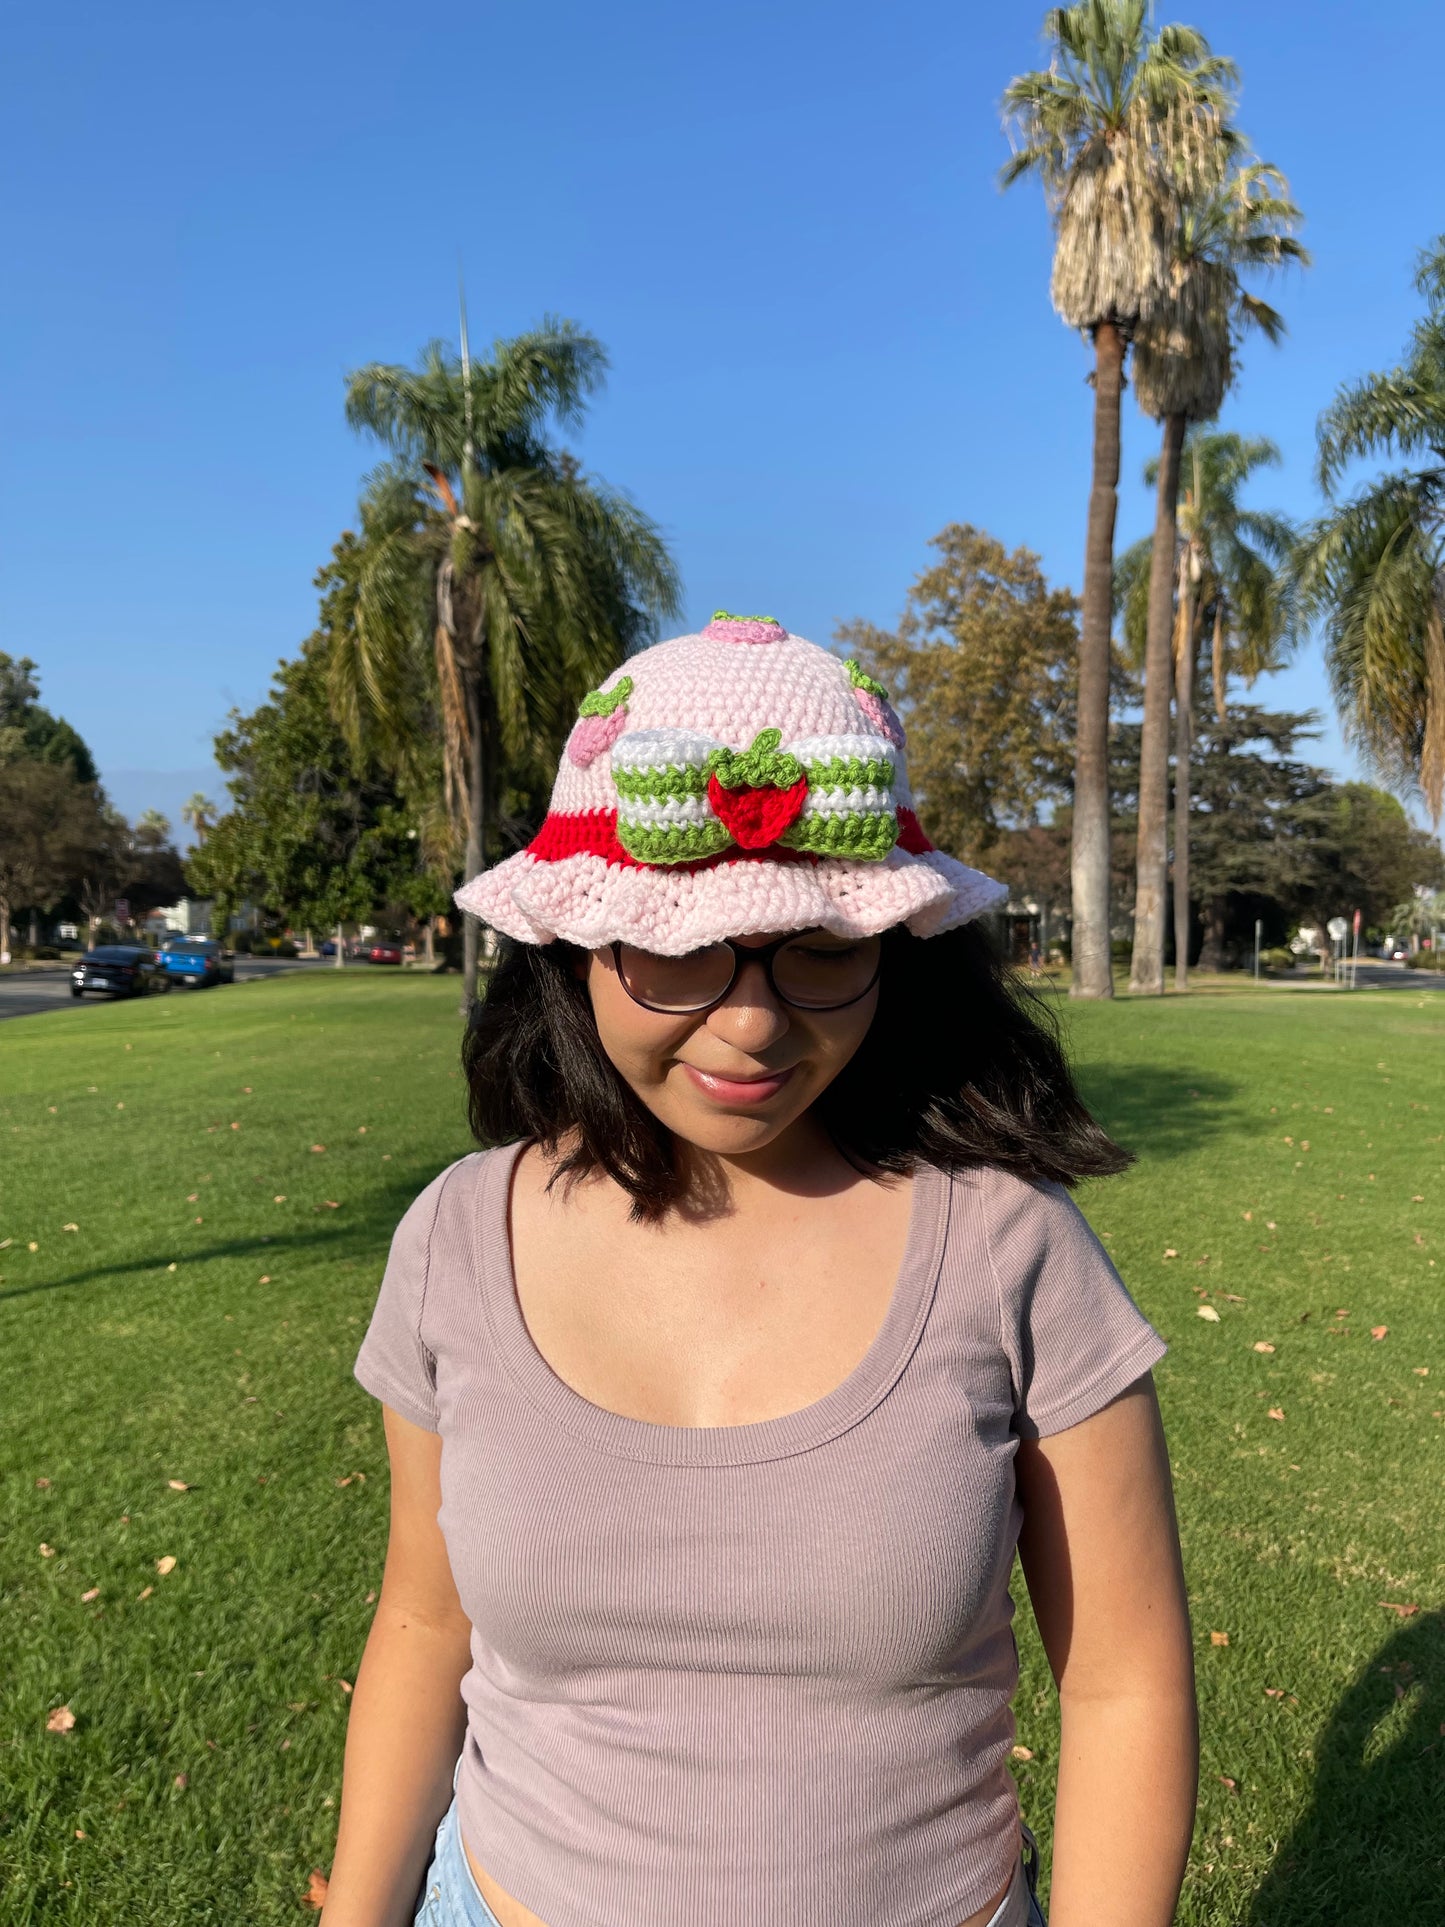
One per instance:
(756,793)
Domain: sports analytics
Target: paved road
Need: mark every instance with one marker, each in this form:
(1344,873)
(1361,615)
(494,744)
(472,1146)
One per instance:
(25,993)
(1379,975)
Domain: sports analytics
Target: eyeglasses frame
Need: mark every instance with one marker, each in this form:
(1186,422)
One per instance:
(762,953)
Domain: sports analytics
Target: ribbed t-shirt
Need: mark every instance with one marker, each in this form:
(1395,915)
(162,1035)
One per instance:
(750,1672)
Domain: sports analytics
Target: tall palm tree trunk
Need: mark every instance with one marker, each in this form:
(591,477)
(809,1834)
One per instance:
(476,827)
(1183,753)
(1092,972)
(1146,969)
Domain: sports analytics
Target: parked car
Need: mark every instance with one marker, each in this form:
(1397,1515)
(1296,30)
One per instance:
(383,951)
(120,970)
(348,949)
(197,960)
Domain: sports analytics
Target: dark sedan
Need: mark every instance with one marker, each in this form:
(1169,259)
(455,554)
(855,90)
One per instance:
(119,970)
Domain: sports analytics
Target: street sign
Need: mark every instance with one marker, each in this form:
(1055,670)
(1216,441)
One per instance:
(1338,929)
(122,910)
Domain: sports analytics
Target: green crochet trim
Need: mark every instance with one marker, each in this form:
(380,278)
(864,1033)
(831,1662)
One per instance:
(602,702)
(727,615)
(679,843)
(860,680)
(850,772)
(657,784)
(753,768)
(865,836)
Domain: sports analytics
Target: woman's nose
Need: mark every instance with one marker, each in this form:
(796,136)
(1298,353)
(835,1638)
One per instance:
(751,1016)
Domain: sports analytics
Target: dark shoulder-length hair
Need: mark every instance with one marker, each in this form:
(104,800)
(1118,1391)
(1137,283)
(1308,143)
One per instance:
(962,1066)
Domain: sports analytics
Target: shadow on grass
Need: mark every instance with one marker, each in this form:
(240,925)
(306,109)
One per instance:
(367,1230)
(1157,1112)
(1371,1847)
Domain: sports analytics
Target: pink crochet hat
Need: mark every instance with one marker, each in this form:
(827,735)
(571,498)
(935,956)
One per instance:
(723,784)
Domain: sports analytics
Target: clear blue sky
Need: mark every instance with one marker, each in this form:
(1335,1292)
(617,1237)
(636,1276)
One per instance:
(830,332)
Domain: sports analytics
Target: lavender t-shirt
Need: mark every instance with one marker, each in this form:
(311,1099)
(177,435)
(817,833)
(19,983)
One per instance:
(752,1672)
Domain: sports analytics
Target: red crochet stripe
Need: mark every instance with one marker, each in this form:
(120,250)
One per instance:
(594,833)
(910,834)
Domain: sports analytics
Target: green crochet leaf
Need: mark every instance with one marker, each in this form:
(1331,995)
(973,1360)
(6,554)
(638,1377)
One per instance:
(602,702)
(750,769)
(727,615)
(860,680)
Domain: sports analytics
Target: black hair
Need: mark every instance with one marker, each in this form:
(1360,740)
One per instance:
(982,1081)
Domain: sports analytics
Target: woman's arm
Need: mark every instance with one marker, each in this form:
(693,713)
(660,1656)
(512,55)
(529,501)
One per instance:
(408,1719)
(1100,1551)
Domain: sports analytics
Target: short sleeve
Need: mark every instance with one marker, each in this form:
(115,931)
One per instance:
(1073,1334)
(394,1364)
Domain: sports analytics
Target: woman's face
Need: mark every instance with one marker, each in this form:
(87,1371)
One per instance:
(731,1079)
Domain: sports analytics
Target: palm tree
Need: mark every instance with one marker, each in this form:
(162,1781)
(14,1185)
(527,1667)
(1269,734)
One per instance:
(1233,214)
(200,812)
(1374,567)
(1090,126)
(490,570)
(1233,580)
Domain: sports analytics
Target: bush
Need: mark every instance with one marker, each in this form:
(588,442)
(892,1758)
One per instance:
(1426,960)
(1278,959)
(46,953)
(284,947)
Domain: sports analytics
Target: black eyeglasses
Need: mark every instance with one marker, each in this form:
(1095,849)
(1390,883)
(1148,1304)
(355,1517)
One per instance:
(810,970)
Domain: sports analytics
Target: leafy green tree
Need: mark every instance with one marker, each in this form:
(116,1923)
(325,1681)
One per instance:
(1233,581)
(1232,214)
(492,573)
(1373,567)
(982,669)
(29,731)
(199,812)
(1092,126)
(311,834)
(48,821)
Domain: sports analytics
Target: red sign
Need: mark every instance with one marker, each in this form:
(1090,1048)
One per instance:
(1357,923)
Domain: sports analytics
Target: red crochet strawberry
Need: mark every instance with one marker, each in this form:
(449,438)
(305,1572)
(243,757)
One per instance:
(756,793)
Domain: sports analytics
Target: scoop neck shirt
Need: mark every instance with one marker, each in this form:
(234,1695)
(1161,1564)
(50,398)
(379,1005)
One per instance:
(758,1671)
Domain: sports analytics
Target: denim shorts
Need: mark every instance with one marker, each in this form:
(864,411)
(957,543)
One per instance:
(450,1896)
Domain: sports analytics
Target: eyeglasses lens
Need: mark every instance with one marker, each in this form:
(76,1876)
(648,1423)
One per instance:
(676,983)
(820,973)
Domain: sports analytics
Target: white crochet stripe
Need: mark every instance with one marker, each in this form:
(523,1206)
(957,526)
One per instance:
(841,802)
(662,749)
(819,749)
(672,809)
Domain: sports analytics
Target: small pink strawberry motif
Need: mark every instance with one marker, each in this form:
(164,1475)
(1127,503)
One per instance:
(600,721)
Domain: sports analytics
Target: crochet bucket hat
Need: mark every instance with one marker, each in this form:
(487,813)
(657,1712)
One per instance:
(718,785)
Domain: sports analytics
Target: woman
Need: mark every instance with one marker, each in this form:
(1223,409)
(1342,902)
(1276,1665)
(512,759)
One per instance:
(720,1391)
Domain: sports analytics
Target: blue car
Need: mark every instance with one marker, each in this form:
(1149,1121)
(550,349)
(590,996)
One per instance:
(197,960)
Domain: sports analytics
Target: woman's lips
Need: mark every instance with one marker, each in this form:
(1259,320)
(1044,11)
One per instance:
(738,1090)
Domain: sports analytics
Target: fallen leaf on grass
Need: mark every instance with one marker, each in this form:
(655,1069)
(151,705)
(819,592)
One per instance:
(264,1281)
(1248,1216)
(86,1597)
(1208,1311)
(166,1564)
(1378,1331)
(344,1684)
(1274,1412)
(1219,1639)
(183,1780)
(280,1198)
(42,1483)
(70,1227)
(1224,1780)
(191,1196)
(170,1267)
(1421,1371)
(178,1485)
(235,1127)
(60,1721)
(1391,1606)
(332,1204)
(318,1147)
(1171,1252)
(1261,1346)
(316,1885)
(1278,1693)
(144,1593)
(1023,1752)
(46,1552)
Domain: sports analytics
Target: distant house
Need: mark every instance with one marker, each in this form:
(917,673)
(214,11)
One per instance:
(191,916)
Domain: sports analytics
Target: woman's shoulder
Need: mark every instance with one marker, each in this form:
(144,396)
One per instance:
(456,1188)
(1019,1217)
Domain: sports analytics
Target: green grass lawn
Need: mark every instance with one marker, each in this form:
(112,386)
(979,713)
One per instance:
(196,1194)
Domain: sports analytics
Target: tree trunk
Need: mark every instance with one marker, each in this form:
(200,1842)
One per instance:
(431,943)
(1217,656)
(1092,970)
(1183,751)
(4,932)
(1211,951)
(476,827)
(1146,969)
(340,946)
